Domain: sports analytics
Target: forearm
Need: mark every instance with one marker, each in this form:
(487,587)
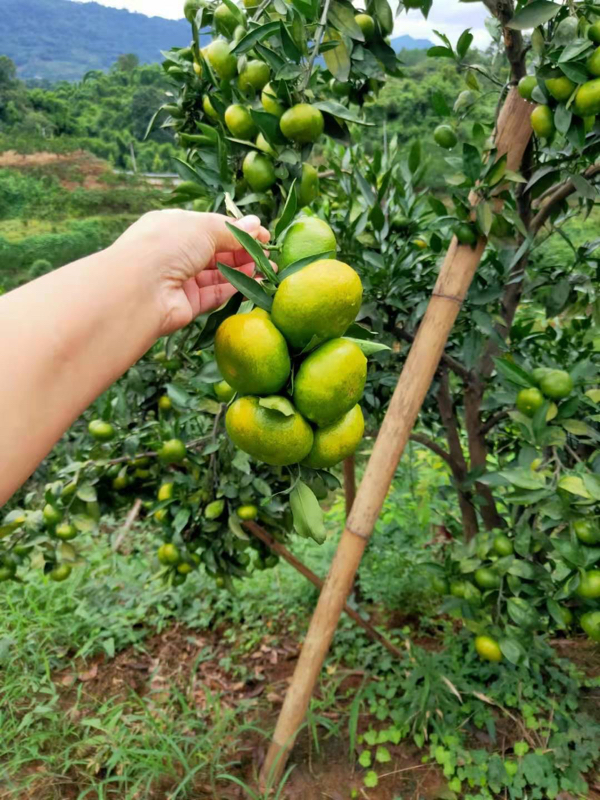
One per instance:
(63,340)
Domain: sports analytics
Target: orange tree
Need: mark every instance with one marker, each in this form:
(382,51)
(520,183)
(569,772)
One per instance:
(516,395)
(248,109)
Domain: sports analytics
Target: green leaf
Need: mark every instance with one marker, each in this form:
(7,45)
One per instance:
(87,493)
(382,755)
(83,523)
(523,478)
(464,42)
(578,428)
(179,395)
(484,216)
(521,612)
(307,513)
(513,373)
(562,118)
(338,110)
(371,779)
(497,171)
(384,15)
(356,331)
(513,651)
(338,62)
(253,37)
(574,485)
(365,759)
(368,347)
(573,50)
(414,156)
(341,16)
(181,519)
(255,251)
(584,187)
(437,51)
(522,569)
(296,266)
(471,162)
(247,286)
(288,44)
(576,72)
(207,336)
(289,210)
(534,14)
(279,404)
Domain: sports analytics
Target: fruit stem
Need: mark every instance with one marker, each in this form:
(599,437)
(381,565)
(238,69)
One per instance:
(318,37)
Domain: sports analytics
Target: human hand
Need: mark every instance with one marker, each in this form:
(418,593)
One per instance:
(177,252)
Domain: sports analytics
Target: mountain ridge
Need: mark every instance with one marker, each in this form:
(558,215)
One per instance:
(62,40)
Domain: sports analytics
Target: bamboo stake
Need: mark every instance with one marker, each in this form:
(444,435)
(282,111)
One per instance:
(456,274)
(281,550)
(349,483)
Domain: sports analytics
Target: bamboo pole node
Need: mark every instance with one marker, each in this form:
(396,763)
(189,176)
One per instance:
(453,298)
(356,533)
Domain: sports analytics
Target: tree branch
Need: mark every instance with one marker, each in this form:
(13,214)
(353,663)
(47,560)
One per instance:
(492,422)
(282,551)
(450,362)
(433,446)
(561,193)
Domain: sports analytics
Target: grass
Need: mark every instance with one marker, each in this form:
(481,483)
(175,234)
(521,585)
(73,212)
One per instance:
(63,737)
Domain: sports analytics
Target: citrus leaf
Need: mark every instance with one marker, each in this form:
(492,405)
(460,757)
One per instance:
(513,373)
(513,651)
(87,493)
(341,17)
(255,251)
(296,266)
(574,485)
(464,42)
(574,50)
(338,110)
(338,61)
(368,347)
(577,427)
(207,336)
(247,286)
(287,215)
(534,14)
(255,36)
(307,513)
(440,52)
(356,331)
(279,404)
(288,44)
(383,12)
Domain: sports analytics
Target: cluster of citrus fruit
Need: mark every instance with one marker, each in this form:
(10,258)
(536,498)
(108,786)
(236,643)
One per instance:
(297,378)
(552,384)
(487,582)
(553,83)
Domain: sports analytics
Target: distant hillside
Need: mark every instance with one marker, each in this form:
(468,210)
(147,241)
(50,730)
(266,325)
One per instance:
(408,43)
(60,39)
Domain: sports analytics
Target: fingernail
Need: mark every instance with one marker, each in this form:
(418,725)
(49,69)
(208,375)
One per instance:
(250,223)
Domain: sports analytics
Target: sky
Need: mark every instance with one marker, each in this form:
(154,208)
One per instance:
(448,16)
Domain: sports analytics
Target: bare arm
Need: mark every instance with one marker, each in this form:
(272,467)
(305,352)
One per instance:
(69,335)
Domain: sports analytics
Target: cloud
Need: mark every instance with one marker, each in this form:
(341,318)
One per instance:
(450,17)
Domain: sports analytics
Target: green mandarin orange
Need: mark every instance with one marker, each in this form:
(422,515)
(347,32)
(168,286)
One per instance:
(240,123)
(308,236)
(302,123)
(333,443)
(252,354)
(317,303)
(269,435)
(259,171)
(330,381)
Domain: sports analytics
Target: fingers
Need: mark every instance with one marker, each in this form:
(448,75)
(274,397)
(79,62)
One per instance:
(212,277)
(214,296)
(223,240)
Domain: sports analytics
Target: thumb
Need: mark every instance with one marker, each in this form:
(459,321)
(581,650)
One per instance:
(222,238)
